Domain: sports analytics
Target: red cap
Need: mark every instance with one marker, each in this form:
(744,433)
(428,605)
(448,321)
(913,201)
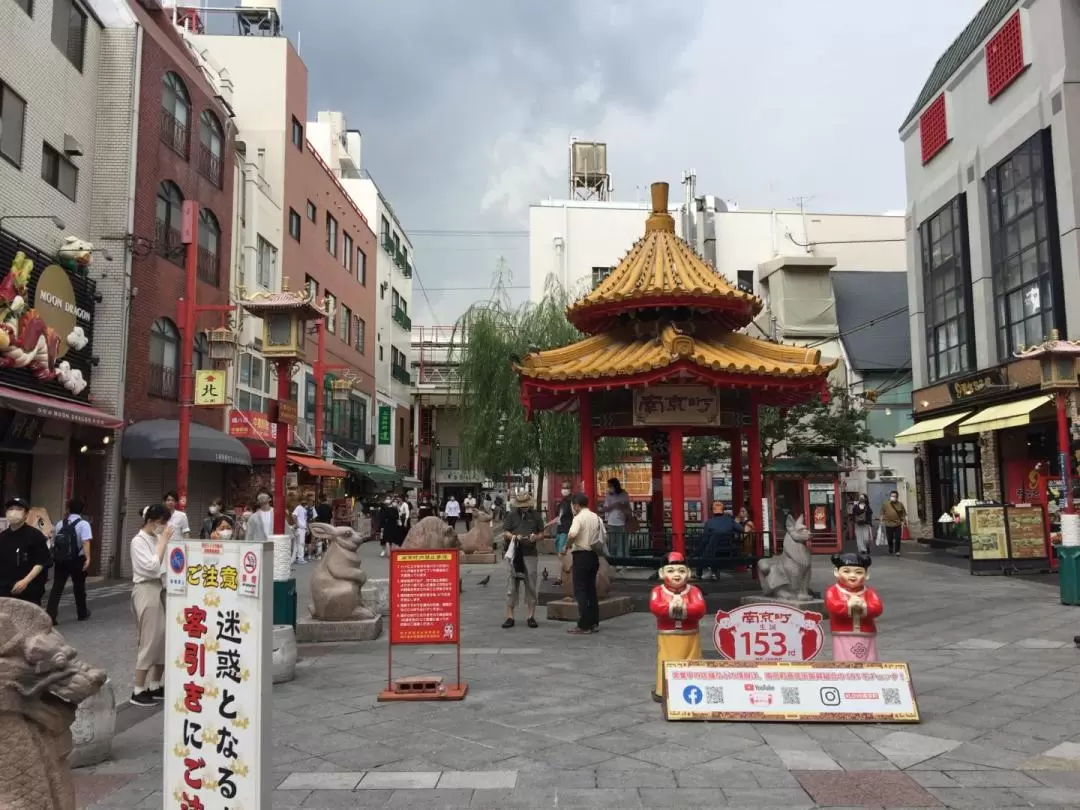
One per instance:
(675,557)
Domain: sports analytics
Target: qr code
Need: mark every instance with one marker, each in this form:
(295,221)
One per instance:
(892,696)
(789,695)
(714,694)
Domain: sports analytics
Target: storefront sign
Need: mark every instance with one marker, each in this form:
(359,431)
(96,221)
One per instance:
(1021,480)
(820,518)
(1027,532)
(676,405)
(825,691)
(386,421)
(989,538)
(255,426)
(985,382)
(424,606)
(209,388)
(459,477)
(217,676)
(768,631)
(286,412)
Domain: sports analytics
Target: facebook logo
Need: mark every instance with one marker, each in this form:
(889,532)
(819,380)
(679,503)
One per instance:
(692,695)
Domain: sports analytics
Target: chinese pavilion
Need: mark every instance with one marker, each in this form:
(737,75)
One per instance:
(663,359)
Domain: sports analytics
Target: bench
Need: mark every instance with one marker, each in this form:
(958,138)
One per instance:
(643,549)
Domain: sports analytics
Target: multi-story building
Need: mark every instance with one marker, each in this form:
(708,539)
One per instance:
(340,148)
(994,249)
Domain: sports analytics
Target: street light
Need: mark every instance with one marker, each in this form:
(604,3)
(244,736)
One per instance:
(59,223)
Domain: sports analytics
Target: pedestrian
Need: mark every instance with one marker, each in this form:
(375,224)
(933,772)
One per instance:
(470,508)
(71,559)
(616,511)
(404,510)
(215,514)
(324,512)
(177,517)
(264,512)
(749,531)
(564,517)
(388,524)
(24,556)
(452,512)
(147,552)
(523,527)
(300,516)
(718,537)
(585,535)
(893,517)
(863,518)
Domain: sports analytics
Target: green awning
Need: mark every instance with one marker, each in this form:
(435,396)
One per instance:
(373,472)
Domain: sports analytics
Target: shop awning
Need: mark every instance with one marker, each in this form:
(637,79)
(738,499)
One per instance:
(929,429)
(373,472)
(318,467)
(1006,415)
(52,408)
(158,439)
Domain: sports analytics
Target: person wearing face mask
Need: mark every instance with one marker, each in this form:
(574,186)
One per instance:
(524,527)
(215,513)
(300,518)
(863,518)
(24,556)
(265,511)
(893,518)
(564,517)
(147,552)
(178,519)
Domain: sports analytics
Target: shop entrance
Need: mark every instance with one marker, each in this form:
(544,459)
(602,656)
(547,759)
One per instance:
(955,474)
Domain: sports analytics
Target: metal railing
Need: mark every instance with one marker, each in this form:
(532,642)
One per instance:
(174,134)
(161,381)
(168,244)
(208,267)
(401,318)
(440,375)
(402,375)
(210,166)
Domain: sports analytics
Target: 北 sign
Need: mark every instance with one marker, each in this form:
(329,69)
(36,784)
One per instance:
(210,388)
(768,631)
(217,676)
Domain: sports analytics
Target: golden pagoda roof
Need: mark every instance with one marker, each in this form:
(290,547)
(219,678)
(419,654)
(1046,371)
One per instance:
(662,272)
(623,353)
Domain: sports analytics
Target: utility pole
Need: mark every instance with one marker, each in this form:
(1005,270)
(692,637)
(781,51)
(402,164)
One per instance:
(689,181)
(801,201)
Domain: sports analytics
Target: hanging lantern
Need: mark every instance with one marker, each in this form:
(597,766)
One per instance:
(221,344)
(341,389)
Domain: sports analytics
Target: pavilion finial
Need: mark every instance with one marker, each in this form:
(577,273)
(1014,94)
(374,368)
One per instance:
(660,219)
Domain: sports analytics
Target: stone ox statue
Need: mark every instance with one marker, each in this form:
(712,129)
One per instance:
(41,683)
(787,577)
(432,533)
(478,539)
(338,576)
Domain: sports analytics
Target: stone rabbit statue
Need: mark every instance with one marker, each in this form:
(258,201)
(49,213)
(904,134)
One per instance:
(787,577)
(338,577)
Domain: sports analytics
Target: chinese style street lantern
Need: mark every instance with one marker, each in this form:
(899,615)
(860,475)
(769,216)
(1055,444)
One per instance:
(342,387)
(221,345)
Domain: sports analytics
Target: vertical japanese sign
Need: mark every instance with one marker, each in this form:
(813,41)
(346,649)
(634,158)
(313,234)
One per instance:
(386,418)
(217,676)
(424,606)
(209,388)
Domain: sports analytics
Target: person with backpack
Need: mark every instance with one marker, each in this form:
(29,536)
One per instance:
(71,560)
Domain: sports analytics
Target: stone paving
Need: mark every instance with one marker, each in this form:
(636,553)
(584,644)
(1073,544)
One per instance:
(558,721)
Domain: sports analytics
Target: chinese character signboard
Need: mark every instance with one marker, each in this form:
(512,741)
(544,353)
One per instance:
(217,676)
(424,604)
(689,405)
(386,418)
(254,426)
(209,388)
(768,631)
(762,691)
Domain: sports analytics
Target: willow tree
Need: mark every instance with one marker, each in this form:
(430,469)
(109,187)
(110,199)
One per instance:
(495,436)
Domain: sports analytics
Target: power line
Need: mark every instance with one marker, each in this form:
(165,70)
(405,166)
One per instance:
(517,234)
(858,327)
(482,289)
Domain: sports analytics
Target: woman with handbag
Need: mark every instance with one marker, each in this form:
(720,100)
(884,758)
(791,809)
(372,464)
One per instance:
(863,518)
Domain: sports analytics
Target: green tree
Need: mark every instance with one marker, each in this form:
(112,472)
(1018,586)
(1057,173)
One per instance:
(495,436)
(701,451)
(837,428)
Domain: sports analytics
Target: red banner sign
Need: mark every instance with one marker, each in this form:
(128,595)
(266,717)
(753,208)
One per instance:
(768,631)
(254,426)
(424,603)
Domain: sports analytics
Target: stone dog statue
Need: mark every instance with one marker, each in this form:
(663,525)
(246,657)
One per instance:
(338,576)
(479,539)
(604,577)
(788,576)
(41,683)
(432,532)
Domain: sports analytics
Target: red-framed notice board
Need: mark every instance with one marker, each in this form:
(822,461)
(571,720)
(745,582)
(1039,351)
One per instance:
(425,608)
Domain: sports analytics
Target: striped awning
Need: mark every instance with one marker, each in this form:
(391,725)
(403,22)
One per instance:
(929,429)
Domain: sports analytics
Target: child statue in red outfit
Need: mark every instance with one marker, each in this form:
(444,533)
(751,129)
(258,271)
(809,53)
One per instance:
(678,607)
(853,609)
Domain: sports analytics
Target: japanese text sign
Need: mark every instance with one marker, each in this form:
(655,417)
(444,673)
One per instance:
(768,631)
(386,418)
(676,405)
(209,388)
(822,691)
(217,676)
(424,599)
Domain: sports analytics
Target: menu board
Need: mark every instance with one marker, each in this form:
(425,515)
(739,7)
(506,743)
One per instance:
(424,603)
(1027,531)
(989,538)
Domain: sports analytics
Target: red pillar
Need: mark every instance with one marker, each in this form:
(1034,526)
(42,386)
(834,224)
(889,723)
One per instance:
(753,450)
(189,235)
(738,497)
(281,447)
(1063,448)
(657,506)
(678,507)
(588,463)
(318,371)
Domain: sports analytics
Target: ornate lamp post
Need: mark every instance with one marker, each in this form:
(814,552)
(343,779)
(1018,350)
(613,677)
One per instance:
(283,315)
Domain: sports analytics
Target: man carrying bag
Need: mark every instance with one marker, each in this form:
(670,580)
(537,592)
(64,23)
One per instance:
(71,559)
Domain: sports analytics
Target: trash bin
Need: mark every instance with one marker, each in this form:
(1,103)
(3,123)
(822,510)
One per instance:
(285,602)
(1069,574)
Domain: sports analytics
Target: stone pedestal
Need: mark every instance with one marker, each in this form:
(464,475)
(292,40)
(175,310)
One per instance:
(566,610)
(816,605)
(285,653)
(313,631)
(479,558)
(93,729)
(376,595)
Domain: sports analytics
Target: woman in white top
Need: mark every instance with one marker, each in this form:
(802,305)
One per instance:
(147,552)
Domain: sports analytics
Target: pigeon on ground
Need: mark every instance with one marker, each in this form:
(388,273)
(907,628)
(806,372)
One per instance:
(545,575)
(484,581)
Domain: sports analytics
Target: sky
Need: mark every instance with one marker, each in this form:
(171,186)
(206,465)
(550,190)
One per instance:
(466,108)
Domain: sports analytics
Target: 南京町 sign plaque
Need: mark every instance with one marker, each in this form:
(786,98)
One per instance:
(689,405)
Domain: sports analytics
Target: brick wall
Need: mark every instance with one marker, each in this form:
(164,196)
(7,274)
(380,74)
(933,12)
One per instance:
(991,471)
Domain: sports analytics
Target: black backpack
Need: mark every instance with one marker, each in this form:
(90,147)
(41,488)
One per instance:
(66,543)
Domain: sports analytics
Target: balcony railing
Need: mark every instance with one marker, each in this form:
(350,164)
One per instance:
(400,374)
(168,244)
(210,166)
(174,134)
(162,382)
(440,375)
(407,270)
(209,267)
(401,318)
(387,244)
(400,260)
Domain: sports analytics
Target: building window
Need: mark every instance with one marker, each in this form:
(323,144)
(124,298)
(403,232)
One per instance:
(69,31)
(265,262)
(200,353)
(312,212)
(361,267)
(164,356)
(297,134)
(312,287)
(401,431)
(12,123)
(599,274)
(1024,259)
(170,203)
(253,384)
(175,114)
(211,139)
(955,474)
(59,172)
(346,251)
(346,325)
(943,239)
(331,235)
(294,224)
(361,335)
(381,354)
(209,248)
(358,420)
(745,281)
(331,313)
